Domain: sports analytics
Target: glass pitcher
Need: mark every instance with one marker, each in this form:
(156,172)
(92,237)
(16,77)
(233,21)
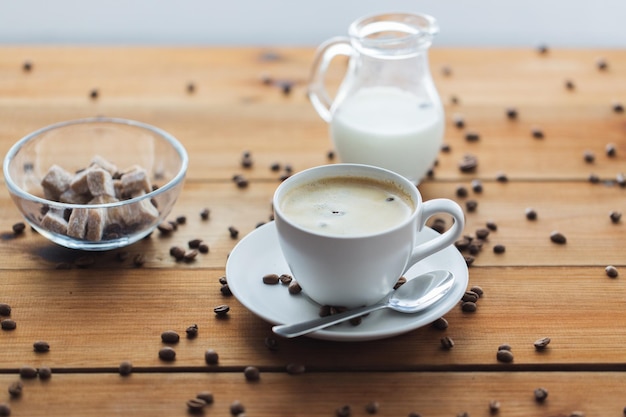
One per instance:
(387,111)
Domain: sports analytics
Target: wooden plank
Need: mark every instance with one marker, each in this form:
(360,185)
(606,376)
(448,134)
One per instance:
(95,319)
(321,394)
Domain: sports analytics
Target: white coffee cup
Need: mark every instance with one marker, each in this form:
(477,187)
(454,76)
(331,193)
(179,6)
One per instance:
(340,245)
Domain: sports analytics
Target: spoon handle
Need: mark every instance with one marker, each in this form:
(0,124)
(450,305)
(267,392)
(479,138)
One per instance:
(299,329)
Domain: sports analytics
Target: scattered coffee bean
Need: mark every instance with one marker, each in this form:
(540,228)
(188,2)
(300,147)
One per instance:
(191,88)
(470,296)
(246,160)
(475,246)
(618,107)
(593,178)
(461,191)
(531,214)
(542,343)
(372,407)
(295,368)
(537,133)
(504,346)
(621,180)
(16,388)
(203,248)
(400,282)
(252,373)
(505,356)
(5,309)
(454,99)
(447,343)
(491,226)
(167,354)
(271,343)
(499,249)
(177,252)
(44,372)
(414,414)
(234,233)
(8,324)
(589,157)
(569,85)
(225,290)
(94,93)
(18,228)
(237,408)
(615,217)
(139,260)
(125,368)
(170,336)
(445,148)
(192,331)
(601,64)
(294,288)
(196,405)
(542,49)
(511,113)
(205,396)
(41,346)
(194,243)
(28,372)
(271,279)
(463,414)
(343,411)
(221,310)
(471,205)
(472,136)
(440,324)
(469,260)
(477,186)
(205,214)
(540,394)
(438,225)
(5,410)
(482,233)
(469,163)
(446,70)
(190,255)
(558,238)
(285,279)
(611,271)
(494,406)
(211,357)
(478,290)
(181,219)
(458,121)
(469,306)
(610,150)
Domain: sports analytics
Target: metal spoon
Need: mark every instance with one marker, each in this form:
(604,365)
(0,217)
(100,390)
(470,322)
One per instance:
(415,295)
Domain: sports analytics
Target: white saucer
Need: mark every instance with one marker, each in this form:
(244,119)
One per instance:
(258,254)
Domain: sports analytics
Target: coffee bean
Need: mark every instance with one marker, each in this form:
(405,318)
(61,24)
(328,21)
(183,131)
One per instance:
(237,408)
(540,394)
(285,279)
(542,343)
(16,388)
(469,163)
(41,346)
(221,310)
(445,148)
(94,93)
(469,306)
(5,309)
(494,406)
(446,70)
(475,247)
(190,255)
(621,180)
(505,356)
(194,243)
(511,113)
(611,271)
(593,178)
(343,411)
(222,280)
(477,186)
(504,346)
(569,84)
(294,288)
(601,64)
(18,228)
(167,354)
(531,214)
(191,87)
(470,296)
(458,121)
(5,410)
(372,407)
(558,238)
(502,177)
(234,233)
(499,249)
(463,243)
(461,191)
(44,372)
(192,331)
(211,357)
(205,396)
(246,160)
(139,260)
(471,205)
(440,324)
(618,107)
(271,279)
(472,136)
(205,214)
(614,215)
(252,373)
(400,282)
(177,252)
(447,343)
(203,248)
(125,368)
(170,336)
(271,343)
(610,150)
(482,233)
(196,405)
(589,157)
(463,414)
(295,368)
(8,324)
(28,372)
(225,290)
(478,290)
(469,260)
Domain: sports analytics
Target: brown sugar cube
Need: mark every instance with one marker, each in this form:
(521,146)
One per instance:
(96,221)
(100,182)
(119,188)
(104,164)
(79,182)
(54,223)
(77,224)
(136,181)
(70,196)
(55,182)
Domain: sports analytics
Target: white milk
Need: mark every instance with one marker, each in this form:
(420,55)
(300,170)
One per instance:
(389,128)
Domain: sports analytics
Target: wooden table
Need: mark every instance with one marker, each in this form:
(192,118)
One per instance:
(97,317)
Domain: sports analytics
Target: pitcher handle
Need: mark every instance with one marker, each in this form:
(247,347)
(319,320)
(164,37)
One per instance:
(318,95)
(430,208)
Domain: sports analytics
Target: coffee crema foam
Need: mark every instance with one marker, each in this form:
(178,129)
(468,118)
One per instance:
(347,206)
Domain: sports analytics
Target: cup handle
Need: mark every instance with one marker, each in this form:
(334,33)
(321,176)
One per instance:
(430,208)
(318,95)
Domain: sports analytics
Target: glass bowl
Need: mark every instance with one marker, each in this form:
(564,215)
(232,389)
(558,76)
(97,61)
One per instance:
(96,184)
